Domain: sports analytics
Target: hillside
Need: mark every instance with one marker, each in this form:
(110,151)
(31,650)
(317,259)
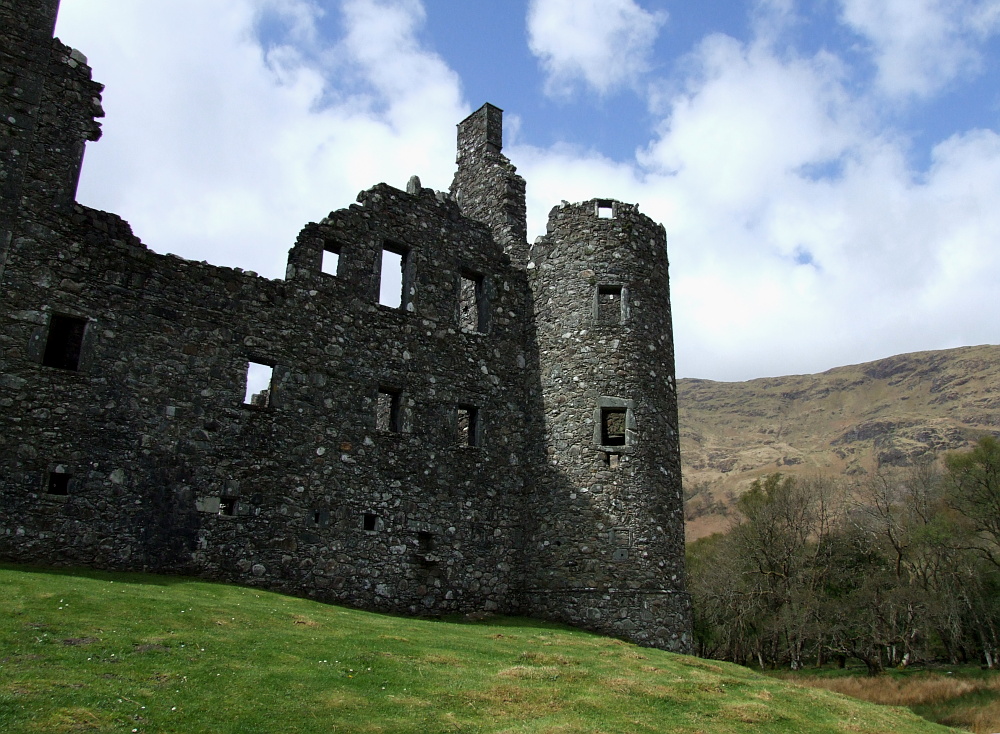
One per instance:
(101,652)
(845,422)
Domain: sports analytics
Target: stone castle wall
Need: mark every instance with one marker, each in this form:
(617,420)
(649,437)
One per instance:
(445,454)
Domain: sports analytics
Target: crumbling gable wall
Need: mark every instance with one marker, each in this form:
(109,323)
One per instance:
(170,470)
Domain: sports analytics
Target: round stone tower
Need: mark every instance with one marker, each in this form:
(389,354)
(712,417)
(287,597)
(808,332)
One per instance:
(606,550)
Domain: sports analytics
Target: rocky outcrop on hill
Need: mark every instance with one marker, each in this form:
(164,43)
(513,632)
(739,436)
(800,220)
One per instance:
(845,421)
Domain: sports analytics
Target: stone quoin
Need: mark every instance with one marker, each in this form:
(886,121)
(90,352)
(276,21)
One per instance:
(504,439)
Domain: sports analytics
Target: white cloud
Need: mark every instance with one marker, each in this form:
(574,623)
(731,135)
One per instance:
(800,237)
(921,45)
(605,44)
(217,148)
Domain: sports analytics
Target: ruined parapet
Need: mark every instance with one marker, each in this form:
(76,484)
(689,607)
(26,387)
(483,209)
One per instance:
(486,184)
(48,104)
(608,545)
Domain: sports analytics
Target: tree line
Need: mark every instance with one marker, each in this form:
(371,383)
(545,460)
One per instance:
(903,567)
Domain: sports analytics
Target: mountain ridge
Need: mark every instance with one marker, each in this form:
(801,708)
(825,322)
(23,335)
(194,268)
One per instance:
(846,421)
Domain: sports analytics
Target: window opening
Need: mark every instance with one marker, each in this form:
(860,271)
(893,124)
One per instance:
(470,302)
(331,260)
(613,426)
(370,522)
(258,386)
(58,483)
(227,506)
(468,425)
(394,280)
(387,411)
(609,305)
(425,542)
(605,210)
(65,342)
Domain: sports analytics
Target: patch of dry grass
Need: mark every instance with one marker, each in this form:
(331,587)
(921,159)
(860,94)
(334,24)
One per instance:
(917,691)
(957,701)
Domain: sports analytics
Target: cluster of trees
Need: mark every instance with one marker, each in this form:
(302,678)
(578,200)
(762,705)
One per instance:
(904,567)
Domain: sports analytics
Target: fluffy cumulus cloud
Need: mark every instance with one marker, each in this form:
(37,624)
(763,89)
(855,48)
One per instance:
(921,45)
(801,237)
(219,145)
(601,44)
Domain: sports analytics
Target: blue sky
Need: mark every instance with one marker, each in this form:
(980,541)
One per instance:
(827,171)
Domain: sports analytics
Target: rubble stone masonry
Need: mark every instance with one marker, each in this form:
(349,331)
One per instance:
(504,439)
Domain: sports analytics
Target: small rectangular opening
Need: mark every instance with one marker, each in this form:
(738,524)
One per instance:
(58,483)
(227,506)
(605,210)
(425,542)
(394,276)
(613,426)
(609,305)
(331,259)
(468,425)
(258,385)
(387,411)
(64,342)
(370,522)
(470,302)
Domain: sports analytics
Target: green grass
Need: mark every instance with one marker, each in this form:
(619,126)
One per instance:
(88,651)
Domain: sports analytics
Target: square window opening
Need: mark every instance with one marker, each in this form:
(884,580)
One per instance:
(58,483)
(258,385)
(331,260)
(370,522)
(468,425)
(394,276)
(227,506)
(605,210)
(613,426)
(387,412)
(471,306)
(64,343)
(610,310)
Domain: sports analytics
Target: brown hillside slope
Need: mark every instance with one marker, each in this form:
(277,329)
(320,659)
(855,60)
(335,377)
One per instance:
(844,421)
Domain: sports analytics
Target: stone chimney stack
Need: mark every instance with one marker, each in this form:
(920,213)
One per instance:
(486,184)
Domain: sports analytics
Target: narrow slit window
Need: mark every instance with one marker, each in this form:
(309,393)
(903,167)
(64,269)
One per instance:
(468,425)
(613,426)
(395,277)
(331,260)
(64,343)
(227,506)
(387,411)
(258,385)
(370,522)
(610,311)
(605,210)
(58,483)
(470,302)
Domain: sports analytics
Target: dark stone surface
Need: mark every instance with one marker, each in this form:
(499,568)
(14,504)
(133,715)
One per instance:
(432,458)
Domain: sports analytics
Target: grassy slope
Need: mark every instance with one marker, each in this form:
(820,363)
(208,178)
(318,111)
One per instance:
(89,651)
(900,409)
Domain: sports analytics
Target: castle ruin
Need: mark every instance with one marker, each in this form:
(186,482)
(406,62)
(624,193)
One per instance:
(505,440)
